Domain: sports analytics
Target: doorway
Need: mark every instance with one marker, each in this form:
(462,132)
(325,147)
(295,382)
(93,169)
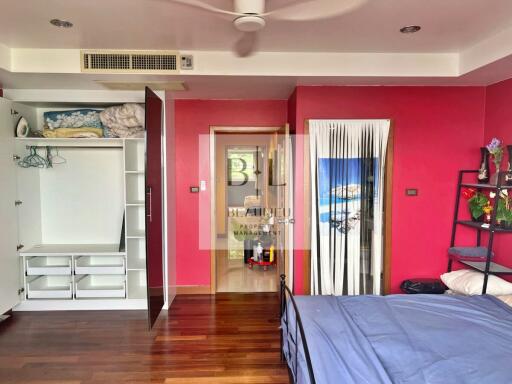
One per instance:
(250,197)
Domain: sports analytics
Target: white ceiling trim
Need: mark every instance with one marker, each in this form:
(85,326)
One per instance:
(74,96)
(5,57)
(324,64)
(486,52)
(214,63)
(27,60)
(295,64)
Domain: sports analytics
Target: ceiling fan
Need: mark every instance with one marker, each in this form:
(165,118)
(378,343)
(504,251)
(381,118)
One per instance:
(250,16)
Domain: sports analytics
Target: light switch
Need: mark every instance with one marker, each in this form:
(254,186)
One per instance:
(411,192)
(202,185)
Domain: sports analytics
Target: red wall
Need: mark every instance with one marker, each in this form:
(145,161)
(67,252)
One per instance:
(437,131)
(498,123)
(171,194)
(194,118)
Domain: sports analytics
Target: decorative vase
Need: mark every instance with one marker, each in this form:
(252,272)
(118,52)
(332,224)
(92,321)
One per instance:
(483,172)
(496,176)
(508,176)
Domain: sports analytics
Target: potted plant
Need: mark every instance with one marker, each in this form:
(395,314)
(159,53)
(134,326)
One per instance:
(504,210)
(478,203)
(495,148)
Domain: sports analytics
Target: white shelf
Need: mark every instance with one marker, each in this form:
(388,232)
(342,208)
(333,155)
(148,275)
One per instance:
(137,265)
(136,203)
(135,221)
(137,287)
(134,156)
(91,265)
(93,286)
(71,142)
(136,234)
(136,254)
(36,266)
(50,287)
(135,186)
(73,250)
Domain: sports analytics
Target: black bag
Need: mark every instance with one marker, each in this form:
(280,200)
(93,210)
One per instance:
(414,286)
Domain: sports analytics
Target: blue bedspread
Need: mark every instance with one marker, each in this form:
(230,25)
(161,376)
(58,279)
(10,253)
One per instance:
(404,339)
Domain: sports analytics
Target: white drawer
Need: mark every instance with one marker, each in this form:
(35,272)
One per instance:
(100,265)
(48,265)
(98,286)
(50,287)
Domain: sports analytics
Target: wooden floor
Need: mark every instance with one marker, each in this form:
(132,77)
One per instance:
(226,339)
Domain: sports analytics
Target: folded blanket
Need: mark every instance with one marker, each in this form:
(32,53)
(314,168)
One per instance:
(120,131)
(85,132)
(77,118)
(469,253)
(124,120)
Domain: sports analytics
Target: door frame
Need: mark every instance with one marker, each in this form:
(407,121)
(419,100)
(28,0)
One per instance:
(388,202)
(213,186)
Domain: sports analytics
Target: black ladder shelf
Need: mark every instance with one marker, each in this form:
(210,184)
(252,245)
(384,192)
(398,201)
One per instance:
(487,267)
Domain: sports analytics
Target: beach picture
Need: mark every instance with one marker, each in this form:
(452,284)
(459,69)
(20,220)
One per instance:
(339,192)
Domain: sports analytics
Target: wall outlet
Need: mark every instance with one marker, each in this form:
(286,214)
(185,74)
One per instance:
(187,62)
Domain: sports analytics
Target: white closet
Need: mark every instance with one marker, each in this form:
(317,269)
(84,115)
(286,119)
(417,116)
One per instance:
(72,235)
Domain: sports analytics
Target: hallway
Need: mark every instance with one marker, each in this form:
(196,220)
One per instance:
(235,276)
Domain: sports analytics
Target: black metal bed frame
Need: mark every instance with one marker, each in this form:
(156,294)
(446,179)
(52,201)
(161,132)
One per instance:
(299,330)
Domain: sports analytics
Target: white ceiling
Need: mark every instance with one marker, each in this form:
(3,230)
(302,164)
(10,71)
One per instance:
(463,42)
(448,26)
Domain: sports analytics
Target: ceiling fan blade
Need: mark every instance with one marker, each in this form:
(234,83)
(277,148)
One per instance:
(314,9)
(246,45)
(205,6)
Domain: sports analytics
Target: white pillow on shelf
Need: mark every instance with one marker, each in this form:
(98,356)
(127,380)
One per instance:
(507,299)
(470,282)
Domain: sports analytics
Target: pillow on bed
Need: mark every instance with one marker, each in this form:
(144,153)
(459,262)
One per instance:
(507,299)
(469,282)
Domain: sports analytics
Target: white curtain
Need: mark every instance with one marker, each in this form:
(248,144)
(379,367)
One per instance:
(347,188)
(291,200)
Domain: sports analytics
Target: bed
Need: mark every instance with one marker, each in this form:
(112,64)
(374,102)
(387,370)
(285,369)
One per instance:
(396,339)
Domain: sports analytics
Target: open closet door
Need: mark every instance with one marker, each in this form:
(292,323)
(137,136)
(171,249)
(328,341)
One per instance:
(154,206)
(9,260)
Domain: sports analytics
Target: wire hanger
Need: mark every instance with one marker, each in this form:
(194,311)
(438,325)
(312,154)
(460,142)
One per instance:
(54,158)
(33,160)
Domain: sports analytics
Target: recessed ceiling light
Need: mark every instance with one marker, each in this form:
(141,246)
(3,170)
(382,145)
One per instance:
(410,29)
(61,23)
